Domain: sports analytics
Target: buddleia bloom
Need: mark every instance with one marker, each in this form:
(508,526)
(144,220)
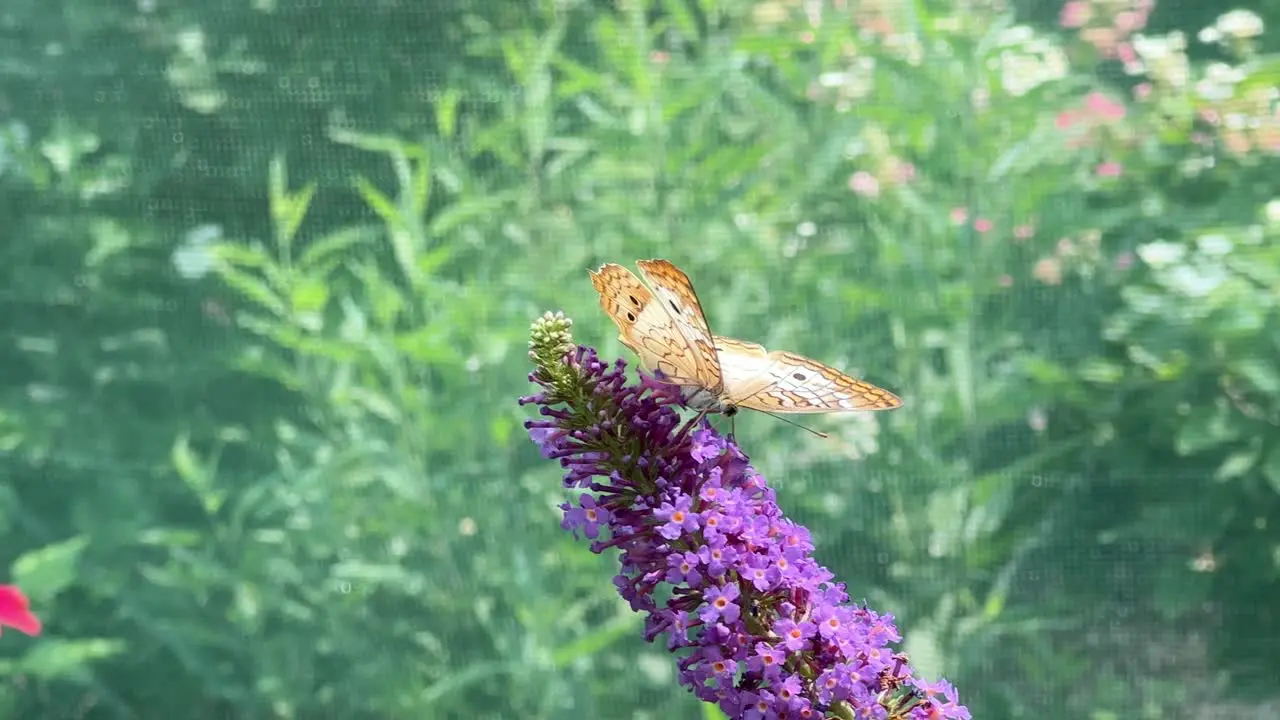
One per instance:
(759,627)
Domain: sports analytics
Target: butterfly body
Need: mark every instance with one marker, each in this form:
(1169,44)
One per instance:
(666,328)
(703,399)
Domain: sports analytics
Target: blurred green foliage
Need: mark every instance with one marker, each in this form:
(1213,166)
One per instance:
(268,269)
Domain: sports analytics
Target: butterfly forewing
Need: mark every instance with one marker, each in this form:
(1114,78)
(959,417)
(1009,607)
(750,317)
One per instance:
(676,292)
(650,330)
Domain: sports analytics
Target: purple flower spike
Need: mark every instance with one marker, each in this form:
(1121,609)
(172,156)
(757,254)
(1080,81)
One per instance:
(761,629)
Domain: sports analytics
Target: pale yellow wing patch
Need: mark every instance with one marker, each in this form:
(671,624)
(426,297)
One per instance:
(647,328)
(783,382)
(743,368)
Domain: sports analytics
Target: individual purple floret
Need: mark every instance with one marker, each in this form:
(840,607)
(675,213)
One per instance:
(760,628)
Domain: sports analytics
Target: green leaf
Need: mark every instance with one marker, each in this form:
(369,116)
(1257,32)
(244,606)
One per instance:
(1237,463)
(290,213)
(434,259)
(481,206)
(309,295)
(420,188)
(242,256)
(67,145)
(1265,75)
(1204,430)
(1271,469)
(53,658)
(197,476)
(382,144)
(380,203)
(44,572)
(447,112)
(330,249)
(1103,372)
(1260,373)
(254,290)
(682,18)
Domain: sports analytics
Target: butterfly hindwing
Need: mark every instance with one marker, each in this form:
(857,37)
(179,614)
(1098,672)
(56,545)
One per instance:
(783,382)
(645,326)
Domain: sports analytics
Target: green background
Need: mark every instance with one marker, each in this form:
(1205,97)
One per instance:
(267,270)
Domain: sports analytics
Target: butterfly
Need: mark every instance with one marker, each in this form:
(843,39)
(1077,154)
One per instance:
(666,328)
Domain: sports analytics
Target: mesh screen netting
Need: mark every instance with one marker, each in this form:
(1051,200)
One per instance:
(274,283)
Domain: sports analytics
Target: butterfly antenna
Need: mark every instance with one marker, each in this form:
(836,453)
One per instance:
(822,435)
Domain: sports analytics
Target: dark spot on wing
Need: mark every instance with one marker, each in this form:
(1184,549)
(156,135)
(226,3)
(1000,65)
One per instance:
(634,300)
(630,316)
(798,376)
(674,307)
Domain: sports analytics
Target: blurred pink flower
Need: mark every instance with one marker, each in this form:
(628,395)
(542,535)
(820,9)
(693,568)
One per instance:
(982,225)
(1109,169)
(900,171)
(1048,271)
(874,22)
(1127,55)
(1237,143)
(864,183)
(1103,106)
(959,215)
(1103,39)
(1006,281)
(1023,232)
(1124,261)
(1142,91)
(1075,14)
(659,57)
(1066,119)
(1129,21)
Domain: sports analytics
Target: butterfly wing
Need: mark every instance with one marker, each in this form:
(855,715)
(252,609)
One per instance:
(648,329)
(744,367)
(783,382)
(675,291)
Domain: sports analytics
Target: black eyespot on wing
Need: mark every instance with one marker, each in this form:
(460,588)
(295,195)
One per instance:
(674,308)
(798,376)
(634,300)
(630,316)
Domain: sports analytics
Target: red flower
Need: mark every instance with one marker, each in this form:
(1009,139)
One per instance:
(14,612)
